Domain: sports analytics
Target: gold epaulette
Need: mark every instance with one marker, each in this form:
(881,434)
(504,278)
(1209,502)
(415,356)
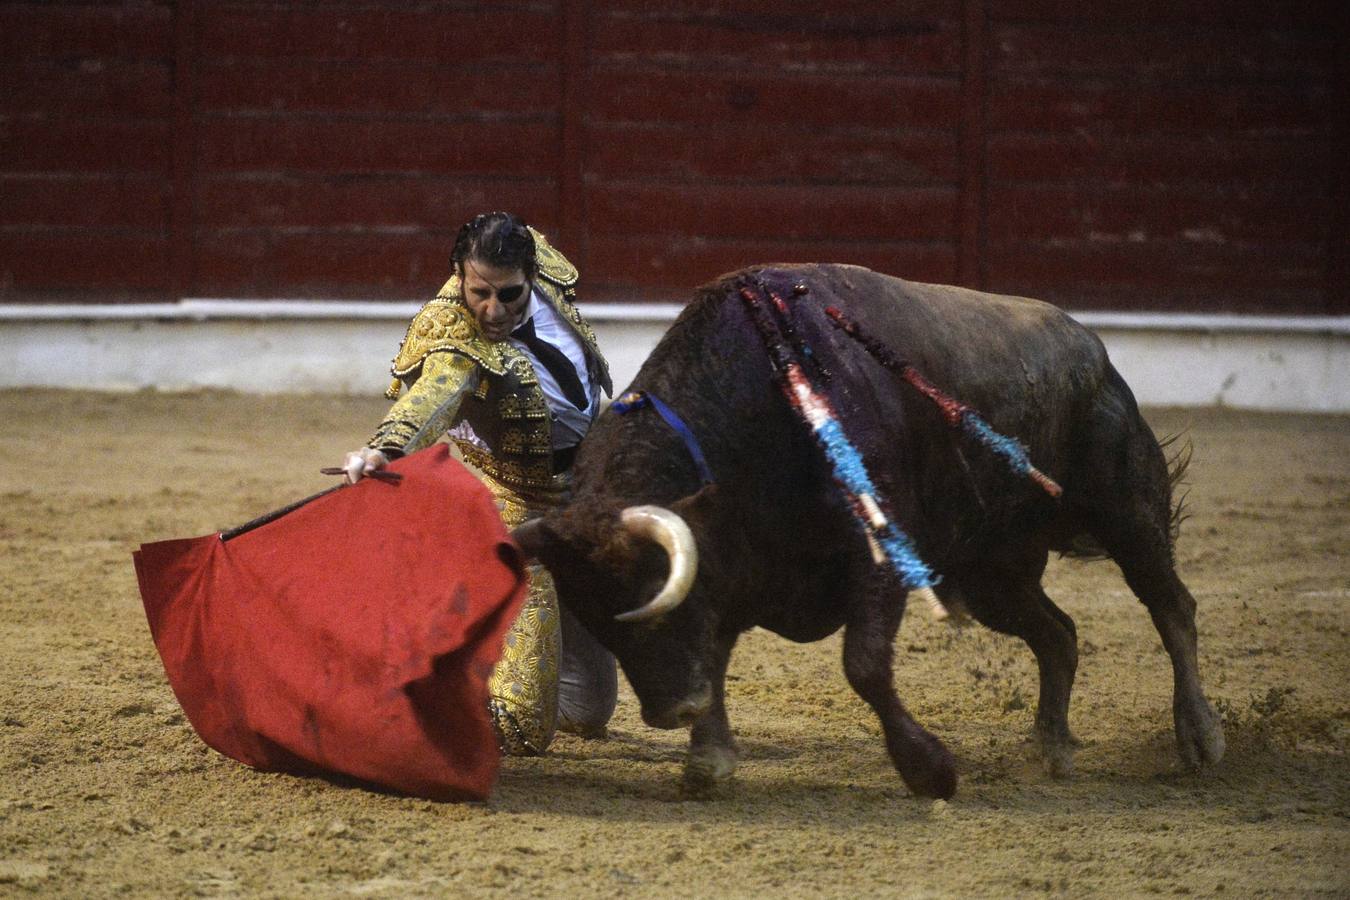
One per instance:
(553,265)
(443,324)
(565,302)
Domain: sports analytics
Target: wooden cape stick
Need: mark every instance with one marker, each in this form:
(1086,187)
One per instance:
(378,475)
(436,423)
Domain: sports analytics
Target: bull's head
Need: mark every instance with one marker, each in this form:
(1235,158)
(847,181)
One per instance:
(626,576)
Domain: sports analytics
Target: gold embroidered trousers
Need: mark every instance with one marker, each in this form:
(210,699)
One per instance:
(523,688)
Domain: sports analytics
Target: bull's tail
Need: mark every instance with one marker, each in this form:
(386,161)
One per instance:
(1177,449)
(1178,462)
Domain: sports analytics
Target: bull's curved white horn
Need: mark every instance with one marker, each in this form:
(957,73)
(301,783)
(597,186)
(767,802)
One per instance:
(667,529)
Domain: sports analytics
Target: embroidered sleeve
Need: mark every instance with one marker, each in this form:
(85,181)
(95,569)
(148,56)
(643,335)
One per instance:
(444,324)
(429,407)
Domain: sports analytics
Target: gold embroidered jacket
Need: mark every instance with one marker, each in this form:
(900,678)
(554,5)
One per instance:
(453,374)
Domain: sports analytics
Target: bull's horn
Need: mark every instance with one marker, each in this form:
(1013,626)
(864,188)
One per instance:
(667,529)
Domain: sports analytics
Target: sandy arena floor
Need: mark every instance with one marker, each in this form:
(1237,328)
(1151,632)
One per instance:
(105,790)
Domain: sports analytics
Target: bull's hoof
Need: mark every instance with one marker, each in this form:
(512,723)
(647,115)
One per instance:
(1057,751)
(706,768)
(1200,739)
(929,770)
(939,784)
(705,790)
(1058,757)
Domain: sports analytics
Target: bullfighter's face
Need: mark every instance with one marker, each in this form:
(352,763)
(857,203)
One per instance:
(497,297)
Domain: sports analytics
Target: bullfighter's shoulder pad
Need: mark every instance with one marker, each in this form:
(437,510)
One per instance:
(445,324)
(553,265)
(565,302)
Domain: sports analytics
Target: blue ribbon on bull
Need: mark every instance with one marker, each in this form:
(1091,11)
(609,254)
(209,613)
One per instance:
(888,541)
(956,413)
(635,400)
(850,472)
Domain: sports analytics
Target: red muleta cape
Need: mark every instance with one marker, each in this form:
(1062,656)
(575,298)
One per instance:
(352,636)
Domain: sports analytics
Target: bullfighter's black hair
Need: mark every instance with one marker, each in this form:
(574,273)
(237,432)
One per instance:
(499,239)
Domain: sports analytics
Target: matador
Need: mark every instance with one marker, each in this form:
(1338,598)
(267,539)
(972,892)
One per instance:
(503,363)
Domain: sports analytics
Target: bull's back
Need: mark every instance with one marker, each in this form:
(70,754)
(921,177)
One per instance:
(1007,356)
(991,347)
(1025,366)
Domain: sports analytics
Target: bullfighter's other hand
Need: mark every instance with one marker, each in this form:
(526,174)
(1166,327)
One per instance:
(360,463)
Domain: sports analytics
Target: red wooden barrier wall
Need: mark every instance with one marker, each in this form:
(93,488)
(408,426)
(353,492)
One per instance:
(1146,155)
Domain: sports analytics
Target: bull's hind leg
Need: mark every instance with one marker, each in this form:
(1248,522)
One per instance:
(874,617)
(1126,501)
(1010,600)
(1172,608)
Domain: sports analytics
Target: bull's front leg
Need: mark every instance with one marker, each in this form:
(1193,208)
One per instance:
(926,766)
(712,747)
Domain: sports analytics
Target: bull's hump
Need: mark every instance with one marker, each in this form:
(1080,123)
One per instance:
(766,272)
(839,281)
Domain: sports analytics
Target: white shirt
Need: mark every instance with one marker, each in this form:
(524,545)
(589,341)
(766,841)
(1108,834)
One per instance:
(569,423)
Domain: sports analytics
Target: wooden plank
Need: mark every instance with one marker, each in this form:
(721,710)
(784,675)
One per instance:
(624,266)
(805,15)
(1031,105)
(115,88)
(1337,288)
(82,259)
(141,30)
(1169,298)
(1159,265)
(774,212)
(84,146)
(1136,13)
(791,102)
(1172,299)
(322,264)
(364,146)
(374,201)
(974,141)
(1138,212)
(572,194)
(131,202)
(1174,159)
(414,265)
(482,33)
(715,152)
(881,40)
(1164,54)
(183,210)
(387,89)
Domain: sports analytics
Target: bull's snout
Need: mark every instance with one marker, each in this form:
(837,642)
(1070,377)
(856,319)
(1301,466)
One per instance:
(683,713)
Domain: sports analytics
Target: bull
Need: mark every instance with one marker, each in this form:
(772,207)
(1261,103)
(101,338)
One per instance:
(667,571)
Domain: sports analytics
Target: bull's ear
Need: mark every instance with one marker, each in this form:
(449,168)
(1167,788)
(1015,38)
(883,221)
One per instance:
(695,506)
(534,538)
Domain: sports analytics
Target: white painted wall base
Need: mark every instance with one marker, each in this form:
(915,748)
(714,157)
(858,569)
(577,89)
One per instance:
(1271,363)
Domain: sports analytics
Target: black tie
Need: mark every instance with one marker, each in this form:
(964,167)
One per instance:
(555,361)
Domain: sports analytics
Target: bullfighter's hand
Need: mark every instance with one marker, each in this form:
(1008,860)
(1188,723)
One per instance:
(360,463)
